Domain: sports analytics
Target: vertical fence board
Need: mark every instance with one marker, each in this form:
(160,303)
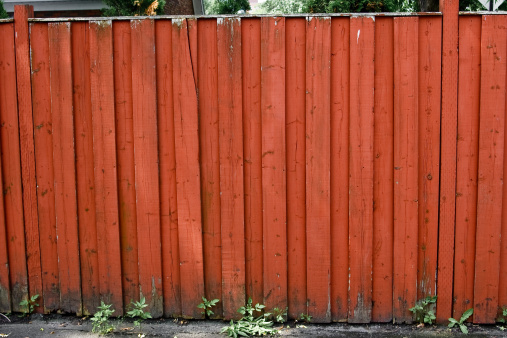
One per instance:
(168,198)
(318,244)
(490,170)
(64,166)
(273,162)
(22,45)
(43,141)
(122,54)
(105,185)
(295,73)
(405,167)
(231,165)
(340,96)
(11,168)
(187,172)
(5,289)
(467,155)
(252,154)
(210,161)
(88,253)
(144,97)
(429,153)
(448,128)
(382,284)
(104,153)
(361,119)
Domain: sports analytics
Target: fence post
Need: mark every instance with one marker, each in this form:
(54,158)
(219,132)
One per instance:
(449,117)
(24,96)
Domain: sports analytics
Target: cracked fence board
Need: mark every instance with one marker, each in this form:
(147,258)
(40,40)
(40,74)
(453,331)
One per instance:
(252,155)
(210,161)
(104,154)
(43,141)
(11,168)
(405,167)
(88,252)
(430,33)
(382,283)
(146,163)
(186,127)
(230,123)
(467,162)
(340,101)
(318,102)
(295,67)
(273,162)
(362,51)
(167,167)
(490,170)
(64,166)
(122,54)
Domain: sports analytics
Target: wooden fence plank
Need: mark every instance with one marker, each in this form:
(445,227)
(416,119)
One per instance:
(187,172)
(88,251)
(146,163)
(43,141)
(318,54)
(430,32)
(382,283)
(448,128)
(64,166)
(22,45)
(467,155)
(104,153)
(274,186)
(210,161)
(11,168)
(405,167)
(295,70)
(340,97)
(5,290)
(361,129)
(490,170)
(167,168)
(252,154)
(122,54)
(231,165)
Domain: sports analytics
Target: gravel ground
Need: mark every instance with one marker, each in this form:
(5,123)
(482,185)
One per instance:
(69,326)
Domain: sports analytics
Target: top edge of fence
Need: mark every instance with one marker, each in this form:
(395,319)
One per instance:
(6,20)
(247,16)
(483,13)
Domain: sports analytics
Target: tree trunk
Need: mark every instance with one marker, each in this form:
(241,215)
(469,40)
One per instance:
(429,5)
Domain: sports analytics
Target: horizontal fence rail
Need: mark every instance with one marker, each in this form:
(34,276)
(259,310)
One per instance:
(293,160)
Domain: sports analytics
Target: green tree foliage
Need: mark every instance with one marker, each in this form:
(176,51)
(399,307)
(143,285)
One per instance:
(3,13)
(226,6)
(133,7)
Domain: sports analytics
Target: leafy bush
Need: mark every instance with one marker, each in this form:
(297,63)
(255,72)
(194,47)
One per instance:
(226,6)
(3,13)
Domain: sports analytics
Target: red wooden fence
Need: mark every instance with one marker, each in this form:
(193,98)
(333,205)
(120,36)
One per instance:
(306,162)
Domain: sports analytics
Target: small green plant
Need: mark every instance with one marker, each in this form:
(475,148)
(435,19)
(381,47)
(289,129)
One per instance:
(424,311)
(30,304)
(207,305)
(503,318)
(279,315)
(249,325)
(453,322)
(304,318)
(137,311)
(100,319)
